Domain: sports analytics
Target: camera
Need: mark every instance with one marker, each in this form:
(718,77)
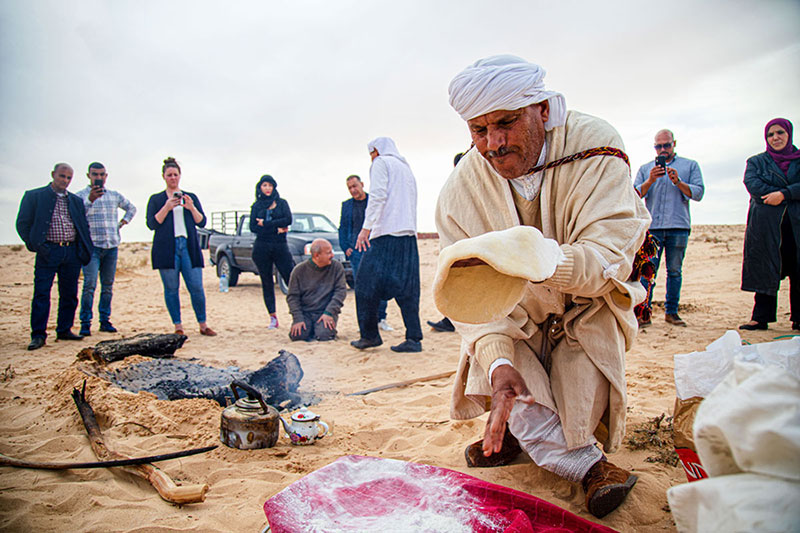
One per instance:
(177,194)
(661,161)
(98,184)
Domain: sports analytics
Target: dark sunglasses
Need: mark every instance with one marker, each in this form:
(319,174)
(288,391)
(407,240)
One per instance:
(665,146)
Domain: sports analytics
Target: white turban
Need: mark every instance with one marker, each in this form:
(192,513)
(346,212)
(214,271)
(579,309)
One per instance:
(385,146)
(504,82)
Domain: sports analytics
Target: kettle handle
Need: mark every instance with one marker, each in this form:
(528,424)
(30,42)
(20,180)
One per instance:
(324,425)
(251,392)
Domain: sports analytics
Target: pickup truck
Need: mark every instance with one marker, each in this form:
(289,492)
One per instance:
(231,250)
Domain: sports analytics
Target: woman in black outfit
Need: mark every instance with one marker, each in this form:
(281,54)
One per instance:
(772,237)
(270,218)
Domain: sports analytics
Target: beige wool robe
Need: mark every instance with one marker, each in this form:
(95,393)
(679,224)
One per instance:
(591,209)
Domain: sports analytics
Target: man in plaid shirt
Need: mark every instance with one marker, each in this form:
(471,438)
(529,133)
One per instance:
(101,212)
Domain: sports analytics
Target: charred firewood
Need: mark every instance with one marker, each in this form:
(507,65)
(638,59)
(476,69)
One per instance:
(147,344)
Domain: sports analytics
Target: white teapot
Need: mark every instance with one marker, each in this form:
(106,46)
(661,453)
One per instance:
(305,427)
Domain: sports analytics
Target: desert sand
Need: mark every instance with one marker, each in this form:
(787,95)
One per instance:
(41,423)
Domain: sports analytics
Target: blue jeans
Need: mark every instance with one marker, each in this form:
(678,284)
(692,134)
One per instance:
(355,260)
(104,263)
(192,277)
(674,242)
(52,260)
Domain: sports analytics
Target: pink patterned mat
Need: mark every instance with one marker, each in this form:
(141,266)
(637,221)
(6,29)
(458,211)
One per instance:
(369,494)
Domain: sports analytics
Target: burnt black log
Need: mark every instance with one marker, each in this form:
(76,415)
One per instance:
(147,344)
(280,379)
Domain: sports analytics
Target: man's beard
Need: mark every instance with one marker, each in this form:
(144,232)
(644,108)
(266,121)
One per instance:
(503,150)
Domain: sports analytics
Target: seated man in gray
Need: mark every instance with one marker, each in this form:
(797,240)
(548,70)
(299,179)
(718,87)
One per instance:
(317,290)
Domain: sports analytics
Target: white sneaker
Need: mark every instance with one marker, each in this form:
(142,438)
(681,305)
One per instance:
(385,325)
(273,322)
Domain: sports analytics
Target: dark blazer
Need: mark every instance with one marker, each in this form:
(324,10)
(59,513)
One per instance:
(280,217)
(163,252)
(762,267)
(36,212)
(346,237)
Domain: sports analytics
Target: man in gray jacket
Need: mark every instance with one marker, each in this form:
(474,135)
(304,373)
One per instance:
(317,290)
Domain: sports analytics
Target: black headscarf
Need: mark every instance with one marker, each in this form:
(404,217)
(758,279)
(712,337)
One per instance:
(260,196)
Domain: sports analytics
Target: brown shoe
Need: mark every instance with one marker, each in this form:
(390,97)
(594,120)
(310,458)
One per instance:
(509,452)
(675,320)
(208,332)
(606,486)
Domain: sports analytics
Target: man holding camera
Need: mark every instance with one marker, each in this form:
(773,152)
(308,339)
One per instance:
(101,206)
(667,184)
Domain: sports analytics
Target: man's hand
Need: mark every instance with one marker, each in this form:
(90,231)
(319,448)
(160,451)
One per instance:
(283,230)
(655,173)
(122,223)
(348,252)
(362,242)
(260,221)
(327,321)
(773,198)
(673,175)
(507,387)
(297,328)
(96,193)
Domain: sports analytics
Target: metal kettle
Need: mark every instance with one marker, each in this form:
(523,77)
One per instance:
(249,423)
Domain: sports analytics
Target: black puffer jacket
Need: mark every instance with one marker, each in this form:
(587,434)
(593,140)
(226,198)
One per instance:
(762,266)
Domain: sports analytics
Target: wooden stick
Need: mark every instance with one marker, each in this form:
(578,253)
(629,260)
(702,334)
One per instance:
(161,481)
(22,463)
(403,383)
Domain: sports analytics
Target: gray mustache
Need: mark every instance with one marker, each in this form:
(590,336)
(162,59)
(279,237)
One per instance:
(503,150)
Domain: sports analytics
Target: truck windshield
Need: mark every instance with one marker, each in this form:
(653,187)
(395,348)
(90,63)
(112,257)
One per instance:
(311,223)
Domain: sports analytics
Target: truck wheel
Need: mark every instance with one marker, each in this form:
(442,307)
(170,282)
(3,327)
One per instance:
(224,267)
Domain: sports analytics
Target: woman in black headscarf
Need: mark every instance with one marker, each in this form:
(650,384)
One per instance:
(772,237)
(270,218)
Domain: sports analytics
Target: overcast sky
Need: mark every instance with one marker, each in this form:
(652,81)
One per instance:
(297,88)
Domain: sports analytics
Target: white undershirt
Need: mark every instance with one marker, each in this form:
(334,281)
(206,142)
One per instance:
(179,222)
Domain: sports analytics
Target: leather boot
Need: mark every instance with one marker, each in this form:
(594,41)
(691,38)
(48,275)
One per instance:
(606,486)
(509,452)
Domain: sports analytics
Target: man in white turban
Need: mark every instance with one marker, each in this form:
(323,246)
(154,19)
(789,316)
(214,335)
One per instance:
(539,225)
(389,267)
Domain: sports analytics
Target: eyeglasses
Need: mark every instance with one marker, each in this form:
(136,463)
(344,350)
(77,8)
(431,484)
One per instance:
(665,146)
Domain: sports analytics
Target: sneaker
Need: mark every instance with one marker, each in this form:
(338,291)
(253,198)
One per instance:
(273,322)
(363,344)
(86,330)
(408,346)
(606,486)
(107,327)
(385,325)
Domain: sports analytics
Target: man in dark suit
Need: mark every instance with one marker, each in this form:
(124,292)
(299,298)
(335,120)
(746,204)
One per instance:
(52,223)
(350,221)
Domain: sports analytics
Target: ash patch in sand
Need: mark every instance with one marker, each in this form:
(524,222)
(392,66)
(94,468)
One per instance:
(655,435)
(174,379)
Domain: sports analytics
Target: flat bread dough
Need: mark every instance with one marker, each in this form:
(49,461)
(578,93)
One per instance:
(485,293)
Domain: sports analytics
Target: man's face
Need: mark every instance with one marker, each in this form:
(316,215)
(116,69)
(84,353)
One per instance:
(62,177)
(356,188)
(373,154)
(511,141)
(95,174)
(325,255)
(665,145)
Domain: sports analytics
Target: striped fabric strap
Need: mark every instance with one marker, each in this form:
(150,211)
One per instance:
(585,154)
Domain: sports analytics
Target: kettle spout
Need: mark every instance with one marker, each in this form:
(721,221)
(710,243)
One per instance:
(285,426)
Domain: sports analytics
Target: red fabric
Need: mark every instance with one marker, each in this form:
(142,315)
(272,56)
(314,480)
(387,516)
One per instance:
(367,494)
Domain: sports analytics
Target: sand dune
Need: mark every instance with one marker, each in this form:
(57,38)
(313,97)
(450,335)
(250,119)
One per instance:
(40,422)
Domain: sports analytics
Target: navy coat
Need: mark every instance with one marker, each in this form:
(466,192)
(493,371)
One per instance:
(36,212)
(762,266)
(163,252)
(346,237)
